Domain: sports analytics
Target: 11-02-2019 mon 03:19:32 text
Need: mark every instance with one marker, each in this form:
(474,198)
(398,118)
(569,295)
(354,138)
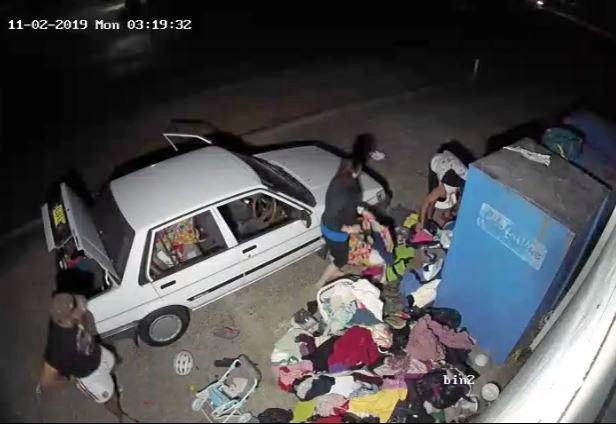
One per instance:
(100,24)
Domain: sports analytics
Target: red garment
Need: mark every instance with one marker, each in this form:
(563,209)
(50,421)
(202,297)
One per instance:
(332,419)
(352,350)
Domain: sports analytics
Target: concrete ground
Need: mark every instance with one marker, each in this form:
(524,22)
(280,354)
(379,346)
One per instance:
(408,126)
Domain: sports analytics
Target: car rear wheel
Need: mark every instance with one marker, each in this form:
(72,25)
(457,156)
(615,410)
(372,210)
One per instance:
(164,326)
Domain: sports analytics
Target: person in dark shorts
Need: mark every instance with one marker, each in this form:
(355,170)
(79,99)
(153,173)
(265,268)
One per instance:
(343,197)
(73,353)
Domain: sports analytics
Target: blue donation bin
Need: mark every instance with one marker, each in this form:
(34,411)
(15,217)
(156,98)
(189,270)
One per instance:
(522,232)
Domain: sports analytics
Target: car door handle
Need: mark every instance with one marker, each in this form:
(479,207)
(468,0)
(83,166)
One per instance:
(166,285)
(248,249)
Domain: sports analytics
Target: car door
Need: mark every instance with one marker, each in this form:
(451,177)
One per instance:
(269,246)
(193,259)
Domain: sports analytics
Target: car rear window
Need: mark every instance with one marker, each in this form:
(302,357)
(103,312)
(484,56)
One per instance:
(279,180)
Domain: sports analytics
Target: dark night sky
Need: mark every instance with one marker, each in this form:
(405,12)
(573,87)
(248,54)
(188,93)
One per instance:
(57,77)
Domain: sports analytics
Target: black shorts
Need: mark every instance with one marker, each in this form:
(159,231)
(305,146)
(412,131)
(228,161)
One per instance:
(339,250)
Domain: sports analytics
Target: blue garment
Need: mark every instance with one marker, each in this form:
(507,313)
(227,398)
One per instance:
(379,245)
(364,317)
(336,236)
(409,284)
(365,389)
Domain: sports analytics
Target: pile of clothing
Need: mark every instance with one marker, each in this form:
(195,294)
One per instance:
(389,262)
(345,363)
(373,246)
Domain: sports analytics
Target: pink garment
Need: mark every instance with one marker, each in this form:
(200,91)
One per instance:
(331,404)
(394,383)
(401,365)
(423,344)
(373,271)
(422,237)
(287,374)
(451,338)
(428,340)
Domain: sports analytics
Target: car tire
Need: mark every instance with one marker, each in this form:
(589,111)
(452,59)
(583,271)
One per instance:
(164,326)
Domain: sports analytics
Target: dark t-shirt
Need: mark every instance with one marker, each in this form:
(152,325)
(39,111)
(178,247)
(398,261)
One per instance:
(72,351)
(341,201)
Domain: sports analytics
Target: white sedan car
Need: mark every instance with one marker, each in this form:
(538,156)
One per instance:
(184,232)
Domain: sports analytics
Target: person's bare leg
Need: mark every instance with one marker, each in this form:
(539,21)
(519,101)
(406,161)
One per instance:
(439,216)
(331,272)
(429,214)
(113,406)
(447,216)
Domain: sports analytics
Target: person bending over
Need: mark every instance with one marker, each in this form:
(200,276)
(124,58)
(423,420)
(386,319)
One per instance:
(446,179)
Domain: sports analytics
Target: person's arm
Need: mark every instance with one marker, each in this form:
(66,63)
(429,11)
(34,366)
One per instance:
(351,229)
(428,202)
(51,377)
(86,319)
(89,323)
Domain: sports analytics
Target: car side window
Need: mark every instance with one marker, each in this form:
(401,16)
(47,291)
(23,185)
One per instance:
(185,243)
(257,214)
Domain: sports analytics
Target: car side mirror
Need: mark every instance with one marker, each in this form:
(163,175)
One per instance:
(305,216)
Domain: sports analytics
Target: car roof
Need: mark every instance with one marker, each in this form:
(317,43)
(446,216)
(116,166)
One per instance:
(176,186)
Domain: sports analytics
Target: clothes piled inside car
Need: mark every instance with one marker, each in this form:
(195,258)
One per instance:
(375,350)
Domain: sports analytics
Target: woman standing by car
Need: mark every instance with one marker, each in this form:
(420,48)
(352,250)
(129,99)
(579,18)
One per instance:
(344,196)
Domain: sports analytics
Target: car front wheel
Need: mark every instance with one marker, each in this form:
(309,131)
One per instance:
(164,326)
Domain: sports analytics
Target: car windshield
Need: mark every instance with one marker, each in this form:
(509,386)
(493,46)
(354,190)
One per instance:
(277,179)
(116,234)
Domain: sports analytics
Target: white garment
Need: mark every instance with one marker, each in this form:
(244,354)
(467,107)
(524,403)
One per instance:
(344,386)
(446,161)
(534,156)
(344,291)
(445,236)
(99,385)
(376,258)
(451,199)
(376,155)
(426,294)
